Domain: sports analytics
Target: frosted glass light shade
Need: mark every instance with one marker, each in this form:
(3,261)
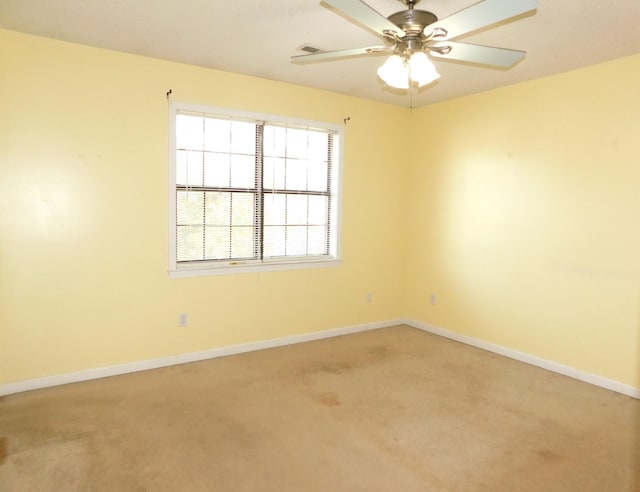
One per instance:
(395,72)
(421,70)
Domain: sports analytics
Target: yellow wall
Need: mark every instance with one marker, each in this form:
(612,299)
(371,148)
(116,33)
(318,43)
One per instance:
(521,216)
(84,214)
(525,218)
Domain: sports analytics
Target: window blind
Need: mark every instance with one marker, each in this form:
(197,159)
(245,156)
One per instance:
(251,190)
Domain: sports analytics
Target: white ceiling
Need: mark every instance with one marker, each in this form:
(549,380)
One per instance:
(258,38)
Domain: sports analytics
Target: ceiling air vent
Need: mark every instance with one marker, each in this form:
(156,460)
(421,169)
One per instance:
(307,48)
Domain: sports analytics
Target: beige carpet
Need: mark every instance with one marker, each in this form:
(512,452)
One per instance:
(389,410)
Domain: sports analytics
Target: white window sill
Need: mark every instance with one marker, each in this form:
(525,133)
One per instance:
(230,269)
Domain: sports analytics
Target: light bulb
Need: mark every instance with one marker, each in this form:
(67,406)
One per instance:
(421,70)
(395,72)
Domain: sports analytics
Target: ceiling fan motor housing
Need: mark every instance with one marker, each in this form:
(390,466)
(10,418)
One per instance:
(412,22)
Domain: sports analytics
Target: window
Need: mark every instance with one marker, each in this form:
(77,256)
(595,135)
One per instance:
(251,192)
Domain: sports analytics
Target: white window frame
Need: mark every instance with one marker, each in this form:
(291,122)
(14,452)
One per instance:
(216,267)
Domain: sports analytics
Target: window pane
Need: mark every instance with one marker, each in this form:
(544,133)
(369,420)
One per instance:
(317,240)
(243,209)
(242,242)
(217,169)
(189,243)
(317,176)
(273,173)
(296,240)
(181,167)
(296,209)
(274,241)
(188,168)
(216,242)
(318,146)
(243,137)
(297,143)
(243,171)
(318,213)
(217,135)
(274,141)
(218,212)
(189,132)
(274,209)
(189,207)
(296,175)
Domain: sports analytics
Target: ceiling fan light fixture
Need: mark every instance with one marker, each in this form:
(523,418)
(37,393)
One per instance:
(421,70)
(398,72)
(395,72)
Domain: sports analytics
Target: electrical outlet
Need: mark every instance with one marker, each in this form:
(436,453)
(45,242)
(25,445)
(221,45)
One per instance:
(369,297)
(433,299)
(183,320)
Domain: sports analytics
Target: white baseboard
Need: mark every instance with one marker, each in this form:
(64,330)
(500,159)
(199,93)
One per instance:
(171,360)
(586,377)
(144,365)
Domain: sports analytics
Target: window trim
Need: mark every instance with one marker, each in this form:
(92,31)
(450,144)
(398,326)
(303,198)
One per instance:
(206,268)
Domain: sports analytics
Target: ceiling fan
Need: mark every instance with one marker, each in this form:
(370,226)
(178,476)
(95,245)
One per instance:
(411,34)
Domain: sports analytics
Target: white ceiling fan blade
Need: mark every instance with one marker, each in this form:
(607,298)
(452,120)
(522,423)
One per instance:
(473,53)
(480,15)
(336,55)
(365,15)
